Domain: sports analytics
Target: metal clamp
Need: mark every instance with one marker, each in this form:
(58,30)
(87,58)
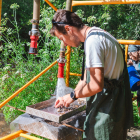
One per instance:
(61,60)
(62,49)
(34,33)
(35,21)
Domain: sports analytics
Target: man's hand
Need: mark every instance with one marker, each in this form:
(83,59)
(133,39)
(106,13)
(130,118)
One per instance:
(130,63)
(134,55)
(64,101)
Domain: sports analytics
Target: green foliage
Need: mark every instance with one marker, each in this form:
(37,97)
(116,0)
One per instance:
(38,137)
(14,6)
(18,67)
(14,78)
(23,10)
(122,21)
(76,65)
(136,112)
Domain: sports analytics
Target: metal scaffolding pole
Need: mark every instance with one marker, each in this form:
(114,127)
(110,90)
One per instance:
(68,7)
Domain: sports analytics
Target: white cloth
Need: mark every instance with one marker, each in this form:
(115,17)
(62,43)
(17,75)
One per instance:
(103,50)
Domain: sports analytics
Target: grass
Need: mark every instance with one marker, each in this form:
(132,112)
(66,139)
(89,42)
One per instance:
(135,112)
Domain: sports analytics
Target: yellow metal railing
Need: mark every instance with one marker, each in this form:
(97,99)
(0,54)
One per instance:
(75,74)
(100,2)
(127,42)
(17,134)
(68,66)
(78,3)
(126,52)
(51,5)
(29,137)
(13,135)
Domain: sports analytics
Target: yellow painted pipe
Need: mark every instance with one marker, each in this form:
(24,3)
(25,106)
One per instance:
(126,42)
(75,74)
(26,85)
(77,3)
(69,8)
(68,66)
(51,5)
(68,52)
(0,11)
(126,52)
(13,135)
(29,137)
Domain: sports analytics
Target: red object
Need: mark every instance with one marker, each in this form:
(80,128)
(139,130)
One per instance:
(33,41)
(61,70)
(33,45)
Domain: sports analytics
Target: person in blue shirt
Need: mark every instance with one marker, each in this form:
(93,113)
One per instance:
(134,59)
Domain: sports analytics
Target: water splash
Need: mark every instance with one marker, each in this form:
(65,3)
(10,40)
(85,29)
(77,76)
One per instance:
(61,88)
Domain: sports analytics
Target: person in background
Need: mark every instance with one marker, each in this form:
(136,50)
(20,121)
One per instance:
(109,111)
(134,55)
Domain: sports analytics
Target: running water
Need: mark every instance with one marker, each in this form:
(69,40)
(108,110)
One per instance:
(61,88)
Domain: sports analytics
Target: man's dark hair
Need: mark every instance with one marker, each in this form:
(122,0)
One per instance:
(64,17)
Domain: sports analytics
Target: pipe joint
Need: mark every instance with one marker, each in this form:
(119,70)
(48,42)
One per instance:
(34,33)
(62,54)
(34,21)
(61,60)
(62,49)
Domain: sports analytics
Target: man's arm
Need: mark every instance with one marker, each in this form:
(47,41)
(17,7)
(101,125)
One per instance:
(81,83)
(94,86)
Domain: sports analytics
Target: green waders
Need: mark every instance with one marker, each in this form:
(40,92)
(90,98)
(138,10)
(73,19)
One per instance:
(109,113)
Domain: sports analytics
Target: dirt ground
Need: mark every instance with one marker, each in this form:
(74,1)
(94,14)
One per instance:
(133,134)
(4,127)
